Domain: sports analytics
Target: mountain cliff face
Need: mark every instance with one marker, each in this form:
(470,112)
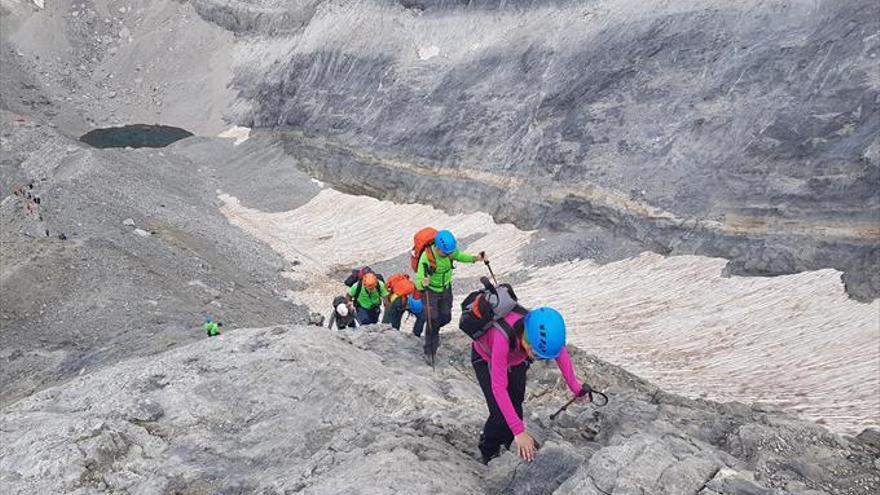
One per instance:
(747,131)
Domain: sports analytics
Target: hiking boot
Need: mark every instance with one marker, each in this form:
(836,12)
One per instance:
(429,360)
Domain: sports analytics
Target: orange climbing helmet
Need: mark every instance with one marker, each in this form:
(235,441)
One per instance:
(370,281)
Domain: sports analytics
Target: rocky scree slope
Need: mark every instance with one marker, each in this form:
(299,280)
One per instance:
(82,64)
(126,252)
(744,130)
(292,409)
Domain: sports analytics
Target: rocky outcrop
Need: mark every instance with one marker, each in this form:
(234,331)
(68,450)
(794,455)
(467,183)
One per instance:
(301,409)
(744,131)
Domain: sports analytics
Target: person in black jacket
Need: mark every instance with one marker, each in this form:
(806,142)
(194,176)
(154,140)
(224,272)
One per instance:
(343,315)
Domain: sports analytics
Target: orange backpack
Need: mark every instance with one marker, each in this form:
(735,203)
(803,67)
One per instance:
(422,240)
(400,285)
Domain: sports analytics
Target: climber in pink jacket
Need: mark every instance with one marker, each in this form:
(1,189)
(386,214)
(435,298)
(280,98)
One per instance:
(501,358)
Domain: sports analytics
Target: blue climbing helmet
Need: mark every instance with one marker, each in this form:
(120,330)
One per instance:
(545,332)
(445,242)
(415,305)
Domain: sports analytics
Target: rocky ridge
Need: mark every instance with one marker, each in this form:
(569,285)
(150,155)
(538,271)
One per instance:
(291,409)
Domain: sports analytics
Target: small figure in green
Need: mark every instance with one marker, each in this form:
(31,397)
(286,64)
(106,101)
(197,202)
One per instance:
(212,328)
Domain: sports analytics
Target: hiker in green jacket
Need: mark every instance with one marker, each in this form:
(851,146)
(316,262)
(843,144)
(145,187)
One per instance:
(212,328)
(369,296)
(434,278)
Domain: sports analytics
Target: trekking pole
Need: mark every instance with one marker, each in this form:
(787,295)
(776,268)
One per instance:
(589,392)
(428,323)
(483,254)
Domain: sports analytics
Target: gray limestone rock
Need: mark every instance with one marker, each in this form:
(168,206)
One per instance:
(299,409)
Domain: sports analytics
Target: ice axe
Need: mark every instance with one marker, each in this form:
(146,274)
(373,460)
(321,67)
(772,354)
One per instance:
(483,254)
(588,391)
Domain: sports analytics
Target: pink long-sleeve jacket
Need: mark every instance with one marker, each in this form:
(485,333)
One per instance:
(494,348)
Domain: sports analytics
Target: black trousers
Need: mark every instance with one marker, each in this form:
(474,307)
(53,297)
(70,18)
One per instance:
(496,433)
(341,322)
(440,311)
(394,313)
(419,325)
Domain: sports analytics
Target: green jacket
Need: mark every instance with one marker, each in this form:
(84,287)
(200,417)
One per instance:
(367,299)
(441,277)
(212,328)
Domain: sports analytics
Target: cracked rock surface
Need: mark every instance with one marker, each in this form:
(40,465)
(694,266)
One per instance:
(292,409)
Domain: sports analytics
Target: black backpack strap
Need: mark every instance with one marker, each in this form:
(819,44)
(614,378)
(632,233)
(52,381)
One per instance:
(520,310)
(431,267)
(508,331)
(357,292)
(510,290)
(429,270)
(488,285)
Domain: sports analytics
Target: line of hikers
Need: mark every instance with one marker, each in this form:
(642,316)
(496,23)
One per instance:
(506,336)
(428,297)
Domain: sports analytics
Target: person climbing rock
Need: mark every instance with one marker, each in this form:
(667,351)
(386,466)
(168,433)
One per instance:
(501,358)
(399,307)
(368,295)
(343,314)
(212,328)
(434,280)
(401,289)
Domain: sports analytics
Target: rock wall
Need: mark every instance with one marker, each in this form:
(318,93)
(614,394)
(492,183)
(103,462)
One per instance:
(747,131)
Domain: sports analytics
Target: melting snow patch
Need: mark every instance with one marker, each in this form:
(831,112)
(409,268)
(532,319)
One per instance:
(428,52)
(673,320)
(239,133)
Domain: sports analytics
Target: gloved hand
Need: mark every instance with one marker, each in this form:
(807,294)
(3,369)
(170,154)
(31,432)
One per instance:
(585,390)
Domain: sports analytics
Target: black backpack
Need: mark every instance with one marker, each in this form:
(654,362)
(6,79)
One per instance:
(487,306)
(358,273)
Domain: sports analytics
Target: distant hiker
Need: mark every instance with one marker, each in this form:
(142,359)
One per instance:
(31,201)
(343,315)
(368,295)
(432,258)
(212,328)
(401,289)
(501,358)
